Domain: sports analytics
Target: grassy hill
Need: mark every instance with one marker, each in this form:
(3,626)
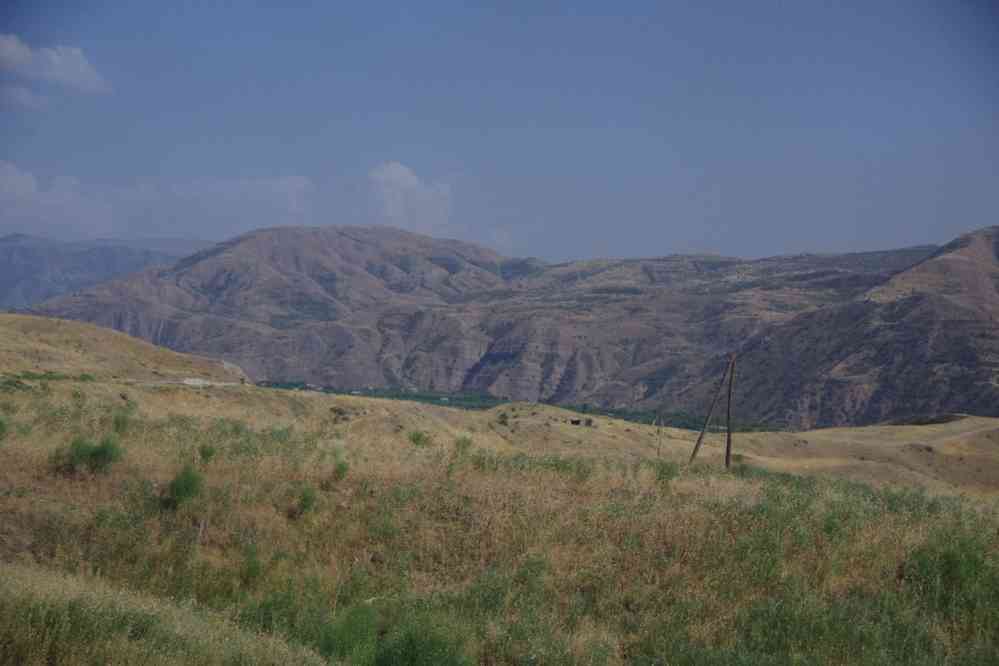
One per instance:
(143,520)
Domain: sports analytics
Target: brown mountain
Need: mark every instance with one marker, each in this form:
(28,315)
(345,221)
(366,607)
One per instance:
(375,306)
(925,342)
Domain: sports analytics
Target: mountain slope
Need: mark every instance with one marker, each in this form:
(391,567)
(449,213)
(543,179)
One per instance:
(35,269)
(374,306)
(926,342)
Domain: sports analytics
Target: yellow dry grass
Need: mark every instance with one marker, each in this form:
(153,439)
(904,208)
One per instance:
(40,344)
(617,533)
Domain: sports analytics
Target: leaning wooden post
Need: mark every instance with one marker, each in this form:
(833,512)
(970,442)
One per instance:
(659,435)
(711,410)
(728,415)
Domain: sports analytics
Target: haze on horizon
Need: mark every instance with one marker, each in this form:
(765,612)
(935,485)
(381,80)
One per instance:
(740,129)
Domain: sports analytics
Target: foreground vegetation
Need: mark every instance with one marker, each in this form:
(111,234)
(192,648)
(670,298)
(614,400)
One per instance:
(155,527)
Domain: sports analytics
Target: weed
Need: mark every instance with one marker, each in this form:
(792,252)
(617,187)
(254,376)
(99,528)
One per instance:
(340,469)
(306,502)
(12,385)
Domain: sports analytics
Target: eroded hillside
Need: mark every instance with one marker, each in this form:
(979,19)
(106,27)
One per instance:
(355,307)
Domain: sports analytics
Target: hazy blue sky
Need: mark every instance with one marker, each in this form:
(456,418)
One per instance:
(557,130)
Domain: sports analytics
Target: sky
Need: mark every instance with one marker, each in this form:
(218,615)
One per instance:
(556,130)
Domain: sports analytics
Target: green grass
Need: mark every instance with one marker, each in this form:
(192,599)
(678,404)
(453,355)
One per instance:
(461,554)
(48,618)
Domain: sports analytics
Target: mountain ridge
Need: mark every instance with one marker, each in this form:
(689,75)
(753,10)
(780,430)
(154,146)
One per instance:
(375,306)
(34,269)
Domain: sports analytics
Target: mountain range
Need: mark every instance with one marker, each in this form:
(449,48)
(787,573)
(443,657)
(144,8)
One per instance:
(821,339)
(34,269)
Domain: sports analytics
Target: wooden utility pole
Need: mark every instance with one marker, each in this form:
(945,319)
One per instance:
(711,410)
(728,414)
(659,435)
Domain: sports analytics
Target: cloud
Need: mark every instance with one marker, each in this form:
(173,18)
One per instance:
(67,208)
(19,97)
(66,66)
(217,208)
(405,200)
(57,208)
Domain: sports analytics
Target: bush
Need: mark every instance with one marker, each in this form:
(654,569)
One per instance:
(105,454)
(665,470)
(420,641)
(955,574)
(340,470)
(83,453)
(306,502)
(206,452)
(120,420)
(462,445)
(184,487)
(419,438)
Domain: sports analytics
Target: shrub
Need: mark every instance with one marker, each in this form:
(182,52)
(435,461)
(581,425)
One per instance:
(419,438)
(252,569)
(105,454)
(503,419)
(420,641)
(954,574)
(184,487)
(281,435)
(120,420)
(665,470)
(83,453)
(462,445)
(206,452)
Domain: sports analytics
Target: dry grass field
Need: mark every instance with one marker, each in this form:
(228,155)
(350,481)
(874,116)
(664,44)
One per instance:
(147,521)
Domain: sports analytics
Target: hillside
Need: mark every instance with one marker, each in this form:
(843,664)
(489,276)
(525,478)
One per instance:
(37,346)
(35,269)
(155,522)
(924,342)
(373,306)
